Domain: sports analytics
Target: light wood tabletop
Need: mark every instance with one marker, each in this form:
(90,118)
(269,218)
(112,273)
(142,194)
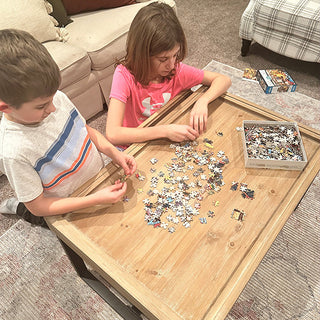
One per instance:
(196,272)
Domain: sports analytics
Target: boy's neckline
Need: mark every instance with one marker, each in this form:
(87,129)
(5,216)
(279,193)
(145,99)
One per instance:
(10,119)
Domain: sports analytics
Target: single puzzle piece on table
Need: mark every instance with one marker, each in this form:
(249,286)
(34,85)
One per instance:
(238,214)
(234,185)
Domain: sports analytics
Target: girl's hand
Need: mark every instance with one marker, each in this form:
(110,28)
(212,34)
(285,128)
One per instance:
(111,194)
(180,132)
(127,162)
(199,116)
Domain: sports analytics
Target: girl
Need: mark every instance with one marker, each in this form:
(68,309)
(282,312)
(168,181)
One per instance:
(151,74)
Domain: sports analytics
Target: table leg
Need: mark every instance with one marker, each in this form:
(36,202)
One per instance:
(245,47)
(127,312)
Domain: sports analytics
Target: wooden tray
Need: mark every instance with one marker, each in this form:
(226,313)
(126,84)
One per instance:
(194,273)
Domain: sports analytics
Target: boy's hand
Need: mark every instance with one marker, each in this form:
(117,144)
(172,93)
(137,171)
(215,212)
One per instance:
(199,116)
(111,194)
(127,162)
(180,132)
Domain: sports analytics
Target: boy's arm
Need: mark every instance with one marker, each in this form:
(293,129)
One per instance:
(49,206)
(117,134)
(218,84)
(101,143)
(124,160)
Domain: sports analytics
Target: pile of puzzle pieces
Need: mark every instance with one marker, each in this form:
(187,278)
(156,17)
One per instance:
(276,142)
(181,197)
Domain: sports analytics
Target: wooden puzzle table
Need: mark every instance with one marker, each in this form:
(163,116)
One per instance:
(196,272)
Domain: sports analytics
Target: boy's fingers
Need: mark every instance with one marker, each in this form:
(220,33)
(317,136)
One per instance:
(117,185)
(131,166)
(125,168)
(124,187)
(121,190)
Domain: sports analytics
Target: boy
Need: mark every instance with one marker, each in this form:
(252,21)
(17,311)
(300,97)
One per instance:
(46,149)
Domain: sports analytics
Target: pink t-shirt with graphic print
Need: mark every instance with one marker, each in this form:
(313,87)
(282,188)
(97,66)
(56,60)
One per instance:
(142,101)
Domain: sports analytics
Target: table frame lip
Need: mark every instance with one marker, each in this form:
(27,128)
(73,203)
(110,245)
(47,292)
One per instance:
(221,306)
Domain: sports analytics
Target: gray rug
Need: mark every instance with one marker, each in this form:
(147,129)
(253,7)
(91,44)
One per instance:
(37,280)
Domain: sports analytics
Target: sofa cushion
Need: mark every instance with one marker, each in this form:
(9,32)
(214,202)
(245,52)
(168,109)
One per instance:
(29,15)
(73,62)
(77,6)
(287,17)
(59,13)
(288,27)
(98,32)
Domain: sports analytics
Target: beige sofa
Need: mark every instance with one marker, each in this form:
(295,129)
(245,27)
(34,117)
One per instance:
(85,50)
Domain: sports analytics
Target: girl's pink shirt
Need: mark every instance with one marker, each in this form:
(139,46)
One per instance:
(142,101)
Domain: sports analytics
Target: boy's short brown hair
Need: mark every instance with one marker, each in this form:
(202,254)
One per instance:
(27,70)
(154,29)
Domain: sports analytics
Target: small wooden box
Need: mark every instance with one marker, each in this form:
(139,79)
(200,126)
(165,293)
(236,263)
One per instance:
(269,155)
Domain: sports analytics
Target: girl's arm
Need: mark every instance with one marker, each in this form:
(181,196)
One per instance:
(117,134)
(218,84)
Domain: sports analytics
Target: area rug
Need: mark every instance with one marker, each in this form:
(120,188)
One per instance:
(37,281)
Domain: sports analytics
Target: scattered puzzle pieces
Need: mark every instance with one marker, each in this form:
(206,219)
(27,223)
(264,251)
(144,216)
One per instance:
(182,194)
(177,195)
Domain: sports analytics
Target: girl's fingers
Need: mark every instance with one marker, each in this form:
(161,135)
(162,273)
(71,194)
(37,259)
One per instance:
(196,123)
(192,134)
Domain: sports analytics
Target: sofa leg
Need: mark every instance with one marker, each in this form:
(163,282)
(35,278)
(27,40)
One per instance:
(245,47)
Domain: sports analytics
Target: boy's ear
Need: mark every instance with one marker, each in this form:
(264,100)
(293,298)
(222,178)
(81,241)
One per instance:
(4,107)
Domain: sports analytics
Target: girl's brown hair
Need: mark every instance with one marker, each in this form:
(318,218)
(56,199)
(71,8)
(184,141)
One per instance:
(154,29)
(27,70)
